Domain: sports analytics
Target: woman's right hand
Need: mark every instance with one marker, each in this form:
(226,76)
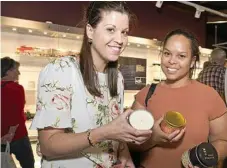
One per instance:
(159,137)
(120,129)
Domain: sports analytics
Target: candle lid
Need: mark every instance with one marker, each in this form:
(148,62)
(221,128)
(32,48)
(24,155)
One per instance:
(207,154)
(175,119)
(141,120)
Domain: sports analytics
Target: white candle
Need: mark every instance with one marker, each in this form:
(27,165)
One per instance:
(141,120)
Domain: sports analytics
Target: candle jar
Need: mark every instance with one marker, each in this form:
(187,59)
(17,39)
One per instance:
(172,121)
(203,155)
(141,120)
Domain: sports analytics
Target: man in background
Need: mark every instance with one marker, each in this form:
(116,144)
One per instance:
(214,74)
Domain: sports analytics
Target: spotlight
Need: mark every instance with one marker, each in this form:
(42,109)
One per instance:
(198,12)
(159,4)
(49,22)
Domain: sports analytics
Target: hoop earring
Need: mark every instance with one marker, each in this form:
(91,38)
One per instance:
(89,40)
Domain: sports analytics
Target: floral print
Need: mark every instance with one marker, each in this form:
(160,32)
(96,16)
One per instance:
(55,125)
(60,101)
(40,104)
(114,109)
(64,102)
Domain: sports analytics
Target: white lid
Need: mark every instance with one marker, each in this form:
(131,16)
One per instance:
(141,120)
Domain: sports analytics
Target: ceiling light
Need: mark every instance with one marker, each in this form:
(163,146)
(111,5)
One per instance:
(14,29)
(159,4)
(29,30)
(198,12)
(49,22)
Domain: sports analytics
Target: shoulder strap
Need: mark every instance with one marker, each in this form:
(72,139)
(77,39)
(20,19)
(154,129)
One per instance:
(150,92)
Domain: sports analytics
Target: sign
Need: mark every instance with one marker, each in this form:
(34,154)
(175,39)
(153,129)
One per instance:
(134,72)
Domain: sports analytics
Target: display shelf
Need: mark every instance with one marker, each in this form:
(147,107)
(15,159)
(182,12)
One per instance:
(34,44)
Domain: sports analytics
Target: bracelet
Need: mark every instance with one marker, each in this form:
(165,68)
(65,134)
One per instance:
(89,138)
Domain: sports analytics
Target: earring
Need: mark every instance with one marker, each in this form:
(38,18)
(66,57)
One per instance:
(89,40)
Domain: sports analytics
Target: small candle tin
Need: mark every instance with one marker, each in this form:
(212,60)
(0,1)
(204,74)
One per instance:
(203,155)
(172,121)
(141,120)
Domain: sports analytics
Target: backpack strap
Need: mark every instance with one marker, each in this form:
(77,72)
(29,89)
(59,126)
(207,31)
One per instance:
(150,92)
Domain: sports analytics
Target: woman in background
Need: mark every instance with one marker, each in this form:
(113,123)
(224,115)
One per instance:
(13,128)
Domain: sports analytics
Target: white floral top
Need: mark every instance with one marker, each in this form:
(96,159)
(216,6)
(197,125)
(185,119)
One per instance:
(64,102)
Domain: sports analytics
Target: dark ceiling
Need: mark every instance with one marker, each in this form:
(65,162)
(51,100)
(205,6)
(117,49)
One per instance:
(216,32)
(216,5)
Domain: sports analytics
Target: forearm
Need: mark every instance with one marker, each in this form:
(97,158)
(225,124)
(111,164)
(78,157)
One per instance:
(124,156)
(62,144)
(221,147)
(123,151)
(143,147)
(218,135)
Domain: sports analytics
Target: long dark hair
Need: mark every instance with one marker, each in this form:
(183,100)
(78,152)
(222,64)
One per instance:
(7,63)
(194,45)
(93,17)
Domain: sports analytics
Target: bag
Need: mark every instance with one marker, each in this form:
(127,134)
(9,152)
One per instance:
(6,159)
(136,155)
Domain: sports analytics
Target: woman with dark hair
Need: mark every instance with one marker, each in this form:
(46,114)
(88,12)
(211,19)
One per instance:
(202,107)
(80,101)
(13,128)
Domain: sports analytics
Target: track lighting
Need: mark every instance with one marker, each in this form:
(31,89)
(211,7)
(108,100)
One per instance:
(159,4)
(198,12)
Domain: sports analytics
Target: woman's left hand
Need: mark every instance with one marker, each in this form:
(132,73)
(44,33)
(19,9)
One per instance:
(125,165)
(124,157)
(7,138)
(118,166)
(190,166)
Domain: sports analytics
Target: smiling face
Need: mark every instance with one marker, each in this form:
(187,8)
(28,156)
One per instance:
(109,37)
(177,59)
